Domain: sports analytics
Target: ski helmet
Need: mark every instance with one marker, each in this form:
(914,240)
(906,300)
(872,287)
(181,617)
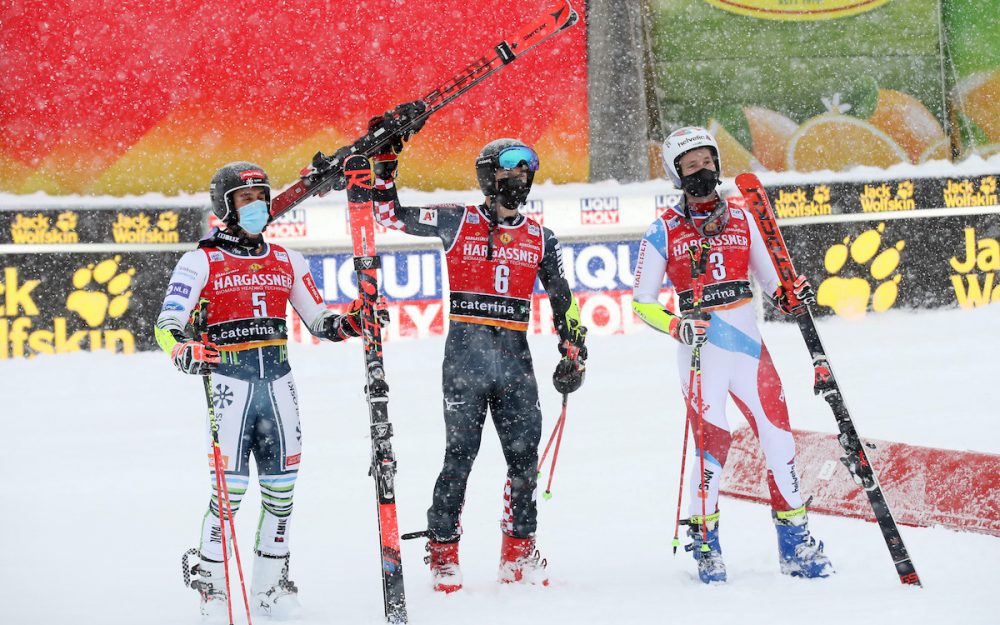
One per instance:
(504,154)
(229,178)
(683,140)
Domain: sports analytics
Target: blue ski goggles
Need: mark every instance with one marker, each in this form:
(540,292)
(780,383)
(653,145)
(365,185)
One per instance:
(514,156)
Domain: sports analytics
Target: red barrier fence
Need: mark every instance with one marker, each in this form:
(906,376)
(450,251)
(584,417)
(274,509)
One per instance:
(925,486)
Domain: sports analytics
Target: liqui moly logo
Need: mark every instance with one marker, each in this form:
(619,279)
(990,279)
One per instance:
(289,226)
(404,276)
(534,209)
(599,210)
(667,201)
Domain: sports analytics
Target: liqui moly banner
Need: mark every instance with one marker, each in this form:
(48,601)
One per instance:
(413,282)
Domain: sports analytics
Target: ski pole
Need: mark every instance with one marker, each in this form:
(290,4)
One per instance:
(199,324)
(680,486)
(699,261)
(560,425)
(552,438)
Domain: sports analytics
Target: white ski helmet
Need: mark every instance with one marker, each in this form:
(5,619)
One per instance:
(684,140)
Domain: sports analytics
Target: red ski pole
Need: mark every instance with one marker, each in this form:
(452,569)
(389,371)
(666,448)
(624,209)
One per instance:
(224,506)
(552,437)
(560,426)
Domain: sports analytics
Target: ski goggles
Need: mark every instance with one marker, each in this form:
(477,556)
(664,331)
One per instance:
(514,156)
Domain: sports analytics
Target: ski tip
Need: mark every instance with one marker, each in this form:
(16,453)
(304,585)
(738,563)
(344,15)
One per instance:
(573,18)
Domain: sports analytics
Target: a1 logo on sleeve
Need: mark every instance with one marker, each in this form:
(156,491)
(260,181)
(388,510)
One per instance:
(429,216)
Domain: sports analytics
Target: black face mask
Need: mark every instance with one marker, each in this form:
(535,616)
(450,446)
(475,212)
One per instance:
(513,192)
(701,183)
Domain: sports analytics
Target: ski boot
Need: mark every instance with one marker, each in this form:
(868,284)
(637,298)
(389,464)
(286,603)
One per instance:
(208,577)
(520,562)
(443,559)
(708,554)
(272,593)
(799,554)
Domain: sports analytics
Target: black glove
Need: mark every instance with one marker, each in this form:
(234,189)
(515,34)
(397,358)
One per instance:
(572,339)
(348,325)
(395,119)
(569,375)
(570,371)
(796,302)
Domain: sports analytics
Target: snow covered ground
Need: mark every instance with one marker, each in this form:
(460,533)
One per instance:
(114,483)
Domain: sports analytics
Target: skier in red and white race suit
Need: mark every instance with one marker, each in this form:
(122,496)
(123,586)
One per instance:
(248,283)
(494,255)
(734,359)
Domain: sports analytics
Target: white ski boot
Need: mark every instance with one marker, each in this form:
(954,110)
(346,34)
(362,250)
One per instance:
(272,593)
(208,577)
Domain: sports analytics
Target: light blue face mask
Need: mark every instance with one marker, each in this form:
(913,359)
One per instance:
(253,216)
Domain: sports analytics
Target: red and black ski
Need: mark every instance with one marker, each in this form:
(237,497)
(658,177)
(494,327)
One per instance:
(357,172)
(327,172)
(825,384)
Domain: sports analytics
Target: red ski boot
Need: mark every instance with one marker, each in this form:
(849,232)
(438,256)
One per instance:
(443,559)
(521,563)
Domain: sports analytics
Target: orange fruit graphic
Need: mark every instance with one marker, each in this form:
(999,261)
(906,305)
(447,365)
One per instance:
(837,142)
(735,158)
(751,137)
(770,131)
(907,121)
(978,96)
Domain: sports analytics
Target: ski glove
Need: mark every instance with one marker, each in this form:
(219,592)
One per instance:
(348,325)
(572,334)
(691,330)
(569,374)
(195,357)
(395,119)
(796,302)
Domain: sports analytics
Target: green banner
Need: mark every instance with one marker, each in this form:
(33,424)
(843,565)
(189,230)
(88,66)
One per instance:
(825,87)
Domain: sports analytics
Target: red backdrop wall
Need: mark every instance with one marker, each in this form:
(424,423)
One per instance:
(130,97)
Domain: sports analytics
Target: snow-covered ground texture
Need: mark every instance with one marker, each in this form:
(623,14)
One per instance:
(110,484)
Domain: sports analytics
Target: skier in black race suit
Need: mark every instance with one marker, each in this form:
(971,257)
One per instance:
(494,254)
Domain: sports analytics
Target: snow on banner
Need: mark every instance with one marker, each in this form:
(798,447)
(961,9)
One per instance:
(925,486)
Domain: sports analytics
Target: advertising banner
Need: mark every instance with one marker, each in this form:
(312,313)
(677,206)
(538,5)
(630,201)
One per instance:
(414,282)
(70,302)
(903,194)
(871,266)
(925,486)
(155,97)
(122,226)
(808,85)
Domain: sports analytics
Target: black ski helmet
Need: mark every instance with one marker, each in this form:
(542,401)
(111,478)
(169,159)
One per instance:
(488,162)
(231,177)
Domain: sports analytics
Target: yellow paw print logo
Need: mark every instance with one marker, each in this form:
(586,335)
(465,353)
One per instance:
(905,190)
(988,185)
(66,221)
(167,221)
(109,299)
(821,194)
(849,291)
